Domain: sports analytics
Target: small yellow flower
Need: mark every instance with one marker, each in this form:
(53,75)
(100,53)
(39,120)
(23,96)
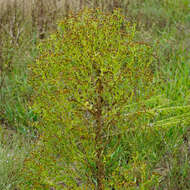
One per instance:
(88,105)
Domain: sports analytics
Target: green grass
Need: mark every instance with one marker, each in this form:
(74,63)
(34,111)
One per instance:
(13,150)
(160,149)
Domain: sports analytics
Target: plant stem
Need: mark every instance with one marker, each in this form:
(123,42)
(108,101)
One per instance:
(99,139)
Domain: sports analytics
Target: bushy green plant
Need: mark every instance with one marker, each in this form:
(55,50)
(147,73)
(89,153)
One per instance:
(87,76)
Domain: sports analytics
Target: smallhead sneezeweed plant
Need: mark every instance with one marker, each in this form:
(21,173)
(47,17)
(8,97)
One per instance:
(87,75)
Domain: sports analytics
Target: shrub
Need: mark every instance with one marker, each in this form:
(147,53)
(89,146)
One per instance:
(87,76)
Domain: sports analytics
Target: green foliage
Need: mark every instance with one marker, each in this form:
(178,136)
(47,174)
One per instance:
(16,51)
(15,92)
(154,151)
(13,150)
(87,76)
(158,14)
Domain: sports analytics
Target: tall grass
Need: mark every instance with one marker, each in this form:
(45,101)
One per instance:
(13,150)
(163,24)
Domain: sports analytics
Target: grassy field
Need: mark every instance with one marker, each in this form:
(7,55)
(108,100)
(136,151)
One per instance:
(160,155)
